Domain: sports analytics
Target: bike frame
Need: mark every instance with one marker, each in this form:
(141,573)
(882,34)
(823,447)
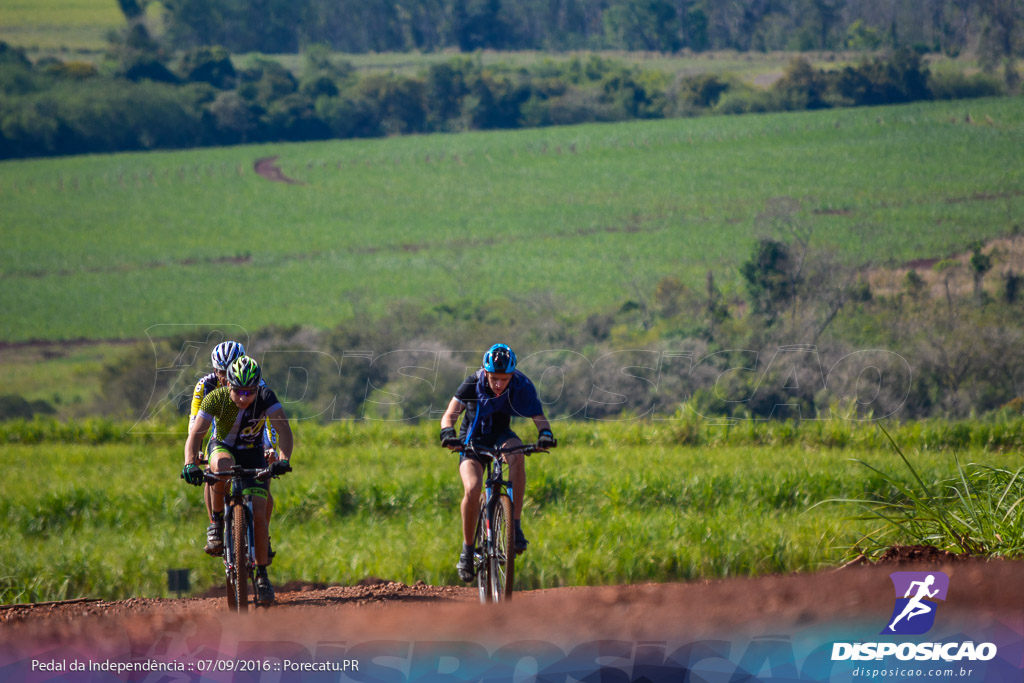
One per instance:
(238,479)
(234,498)
(495,486)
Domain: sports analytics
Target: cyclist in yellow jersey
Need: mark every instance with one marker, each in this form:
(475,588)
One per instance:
(223,355)
(238,413)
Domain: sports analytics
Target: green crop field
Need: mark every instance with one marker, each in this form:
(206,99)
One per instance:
(580,217)
(107,521)
(79,25)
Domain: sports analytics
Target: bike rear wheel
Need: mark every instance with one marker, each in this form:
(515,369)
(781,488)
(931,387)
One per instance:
(503,561)
(481,563)
(240,553)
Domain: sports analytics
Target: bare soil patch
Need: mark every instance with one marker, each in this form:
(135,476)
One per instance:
(268,168)
(1007,255)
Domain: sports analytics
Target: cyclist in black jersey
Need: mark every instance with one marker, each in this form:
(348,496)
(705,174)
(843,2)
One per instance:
(490,398)
(239,412)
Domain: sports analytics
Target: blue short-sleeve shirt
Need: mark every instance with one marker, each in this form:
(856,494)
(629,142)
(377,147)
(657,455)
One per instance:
(489,414)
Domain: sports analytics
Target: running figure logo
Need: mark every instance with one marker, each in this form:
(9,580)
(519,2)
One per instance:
(914,612)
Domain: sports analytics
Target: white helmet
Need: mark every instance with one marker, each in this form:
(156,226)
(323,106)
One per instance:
(225,353)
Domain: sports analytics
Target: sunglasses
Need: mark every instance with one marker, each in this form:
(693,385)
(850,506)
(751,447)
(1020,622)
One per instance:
(243,392)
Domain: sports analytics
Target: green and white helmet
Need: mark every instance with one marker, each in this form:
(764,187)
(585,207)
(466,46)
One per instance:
(244,372)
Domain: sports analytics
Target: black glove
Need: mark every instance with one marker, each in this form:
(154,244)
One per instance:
(192,474)
(279,467)
(449,439)
(546,440)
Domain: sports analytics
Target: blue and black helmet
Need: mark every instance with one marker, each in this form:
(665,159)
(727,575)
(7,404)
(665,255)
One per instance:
(500,358)
(226,353)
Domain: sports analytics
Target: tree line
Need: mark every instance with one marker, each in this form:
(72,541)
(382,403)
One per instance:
(805,337)
(950,26)
(200,98)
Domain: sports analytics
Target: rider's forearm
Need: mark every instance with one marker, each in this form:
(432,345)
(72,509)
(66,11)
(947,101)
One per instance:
(449,418)
(190,449)
(451,414)
(541,423)
(285,440)
(193,444)
(285,443)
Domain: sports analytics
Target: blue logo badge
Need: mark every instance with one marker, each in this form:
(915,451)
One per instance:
(916,596)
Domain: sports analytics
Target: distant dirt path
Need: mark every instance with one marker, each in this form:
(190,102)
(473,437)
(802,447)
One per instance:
(267,168)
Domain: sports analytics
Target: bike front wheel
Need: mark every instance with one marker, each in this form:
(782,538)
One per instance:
(240,553)
(481,561)
(229,573)
(502,563)
(230,578)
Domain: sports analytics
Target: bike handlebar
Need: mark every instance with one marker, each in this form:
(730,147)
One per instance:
(526,449)
(260,473)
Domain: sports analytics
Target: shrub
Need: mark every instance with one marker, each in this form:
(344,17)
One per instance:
(746,102)
(208,65)
(957,86)
(14,406)
(803,87)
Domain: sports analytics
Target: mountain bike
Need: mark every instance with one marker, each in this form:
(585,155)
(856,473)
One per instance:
(239,552)
(494,555)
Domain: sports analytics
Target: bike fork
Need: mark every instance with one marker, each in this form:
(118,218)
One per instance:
(250,526)
(229,539)
(488,515)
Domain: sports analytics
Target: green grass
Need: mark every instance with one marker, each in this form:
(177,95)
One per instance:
(758,68)
(107,246)
(107,521)
(66,376)
(80,25)
(979,510)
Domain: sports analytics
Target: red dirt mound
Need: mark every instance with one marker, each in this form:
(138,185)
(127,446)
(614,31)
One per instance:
(919,554)
(923,555)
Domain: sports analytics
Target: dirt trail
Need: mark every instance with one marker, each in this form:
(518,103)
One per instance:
(981,591)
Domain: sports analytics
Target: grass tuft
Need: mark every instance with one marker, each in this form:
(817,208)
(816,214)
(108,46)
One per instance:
(977,511)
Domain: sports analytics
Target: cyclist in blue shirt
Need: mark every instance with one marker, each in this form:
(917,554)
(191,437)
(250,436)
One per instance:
(491,397)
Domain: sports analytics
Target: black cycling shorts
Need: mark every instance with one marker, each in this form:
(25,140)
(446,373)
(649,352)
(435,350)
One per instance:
(249,458)
(488,441)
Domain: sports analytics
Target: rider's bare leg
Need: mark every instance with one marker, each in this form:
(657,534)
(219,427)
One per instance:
(472,474)
(208,500)
(271,455)
(517,473)
(260,528)
(222,462)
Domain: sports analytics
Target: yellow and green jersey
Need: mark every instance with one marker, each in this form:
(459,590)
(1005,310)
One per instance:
(210,384)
